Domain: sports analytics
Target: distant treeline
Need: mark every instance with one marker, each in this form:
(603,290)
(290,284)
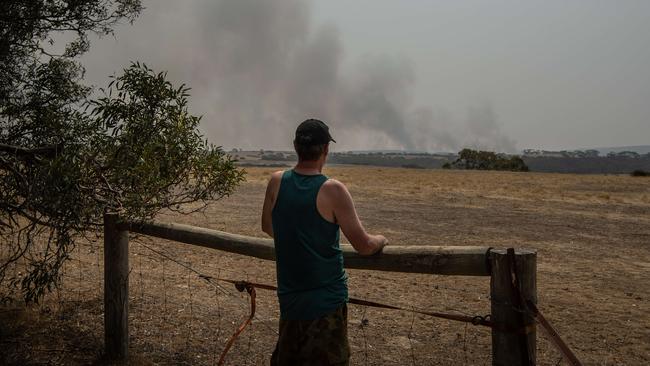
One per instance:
(415,161)
(279,156)
(617,163)
(593,165)
(582,154)
(391,160)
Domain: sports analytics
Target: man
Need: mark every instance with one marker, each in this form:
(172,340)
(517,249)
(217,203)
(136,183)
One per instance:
(303,211)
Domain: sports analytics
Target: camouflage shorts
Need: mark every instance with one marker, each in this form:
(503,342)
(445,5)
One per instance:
(322,341)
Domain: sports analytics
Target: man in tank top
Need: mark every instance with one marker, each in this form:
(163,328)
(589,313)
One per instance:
(303,211)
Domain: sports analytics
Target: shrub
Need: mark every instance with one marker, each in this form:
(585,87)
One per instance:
(487,160)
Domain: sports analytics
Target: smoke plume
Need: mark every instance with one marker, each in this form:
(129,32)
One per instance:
(258,68)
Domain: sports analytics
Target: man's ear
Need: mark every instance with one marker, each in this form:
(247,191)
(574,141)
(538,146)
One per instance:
(327,149)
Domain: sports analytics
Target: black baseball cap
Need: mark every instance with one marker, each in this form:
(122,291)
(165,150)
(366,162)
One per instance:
(313,132)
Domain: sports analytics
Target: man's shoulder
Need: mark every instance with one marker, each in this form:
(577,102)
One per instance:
(333,183)
(275,179)
(277,174)
(333,186)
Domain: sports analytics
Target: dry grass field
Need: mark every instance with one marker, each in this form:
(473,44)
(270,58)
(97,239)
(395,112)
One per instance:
(592,234)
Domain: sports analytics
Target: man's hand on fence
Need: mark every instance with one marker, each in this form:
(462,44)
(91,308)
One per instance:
(379,242)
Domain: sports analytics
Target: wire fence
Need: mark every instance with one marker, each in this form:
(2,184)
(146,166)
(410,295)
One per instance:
(177,316)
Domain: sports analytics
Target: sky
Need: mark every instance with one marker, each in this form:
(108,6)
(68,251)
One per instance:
(415,74)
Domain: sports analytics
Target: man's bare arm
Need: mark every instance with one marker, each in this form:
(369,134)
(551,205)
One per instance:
(347,218)
(269,201)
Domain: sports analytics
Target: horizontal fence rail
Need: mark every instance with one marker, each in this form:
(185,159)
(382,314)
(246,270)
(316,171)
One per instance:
(444,260)
(512,278)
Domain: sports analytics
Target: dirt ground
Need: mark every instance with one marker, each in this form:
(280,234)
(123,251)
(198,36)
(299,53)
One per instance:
(592,234)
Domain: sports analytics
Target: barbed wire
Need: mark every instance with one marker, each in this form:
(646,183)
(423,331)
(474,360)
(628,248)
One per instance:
(207,278)
(163,257)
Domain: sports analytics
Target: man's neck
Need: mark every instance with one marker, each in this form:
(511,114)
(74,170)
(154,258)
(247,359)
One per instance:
(309,167)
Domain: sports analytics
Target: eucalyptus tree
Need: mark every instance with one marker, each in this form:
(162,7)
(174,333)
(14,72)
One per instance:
(66,158)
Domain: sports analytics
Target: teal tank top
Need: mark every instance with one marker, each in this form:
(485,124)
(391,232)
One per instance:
(309,261)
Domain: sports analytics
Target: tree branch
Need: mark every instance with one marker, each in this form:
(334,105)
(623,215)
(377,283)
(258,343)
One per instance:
(45,151)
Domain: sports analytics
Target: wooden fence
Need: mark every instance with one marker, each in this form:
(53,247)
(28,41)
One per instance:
(513,329)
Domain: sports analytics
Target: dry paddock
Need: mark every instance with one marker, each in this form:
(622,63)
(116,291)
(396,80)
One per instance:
(592,234)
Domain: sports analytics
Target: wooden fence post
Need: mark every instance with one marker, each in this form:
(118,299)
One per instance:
(116,288)
(514,337)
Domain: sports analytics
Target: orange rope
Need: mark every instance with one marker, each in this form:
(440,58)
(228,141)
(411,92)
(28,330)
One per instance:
(241,286)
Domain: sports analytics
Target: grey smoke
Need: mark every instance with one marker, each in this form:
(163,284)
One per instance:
(257,68)
(483,126)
